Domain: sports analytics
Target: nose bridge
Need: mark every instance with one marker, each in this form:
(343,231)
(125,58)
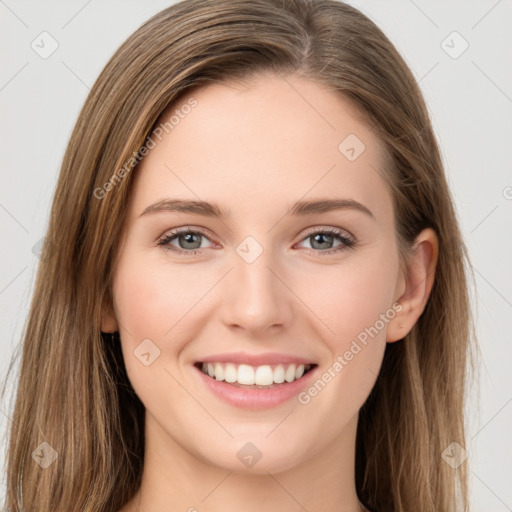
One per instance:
(257,298)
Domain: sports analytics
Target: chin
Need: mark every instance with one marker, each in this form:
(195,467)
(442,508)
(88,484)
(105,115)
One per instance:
(255,456)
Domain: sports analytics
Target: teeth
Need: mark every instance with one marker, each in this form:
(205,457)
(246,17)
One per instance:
(264,375)
(289,374)
(245,374)
(279,374)
(219,371)
(230,373)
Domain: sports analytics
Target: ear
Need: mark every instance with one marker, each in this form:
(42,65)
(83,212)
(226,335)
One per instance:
(415,287)
(108,316)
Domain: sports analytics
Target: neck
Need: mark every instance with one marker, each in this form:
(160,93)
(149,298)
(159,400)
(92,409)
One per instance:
(174,479)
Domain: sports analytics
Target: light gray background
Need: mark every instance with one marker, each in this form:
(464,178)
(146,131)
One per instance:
(470,100)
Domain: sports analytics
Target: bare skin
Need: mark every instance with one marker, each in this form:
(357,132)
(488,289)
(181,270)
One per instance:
(254,151)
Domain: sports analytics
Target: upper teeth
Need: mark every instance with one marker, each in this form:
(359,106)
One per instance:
(260,375)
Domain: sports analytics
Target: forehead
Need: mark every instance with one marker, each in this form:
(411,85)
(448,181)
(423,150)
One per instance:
(269,141)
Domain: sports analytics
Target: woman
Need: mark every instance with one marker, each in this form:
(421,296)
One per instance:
(258,368)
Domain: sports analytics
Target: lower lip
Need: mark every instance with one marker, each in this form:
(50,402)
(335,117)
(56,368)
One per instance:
(253,398)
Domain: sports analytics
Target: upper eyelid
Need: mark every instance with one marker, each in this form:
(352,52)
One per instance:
(171,233)
(334,230)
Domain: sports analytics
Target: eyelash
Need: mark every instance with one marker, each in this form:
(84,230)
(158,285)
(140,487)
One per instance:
(347,242)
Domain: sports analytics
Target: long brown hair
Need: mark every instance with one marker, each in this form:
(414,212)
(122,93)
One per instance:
(73,391)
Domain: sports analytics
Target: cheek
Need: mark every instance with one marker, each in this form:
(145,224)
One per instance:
(152,301)
(355,299)
(356,305)
(152,297)
(351,306)
(160,301)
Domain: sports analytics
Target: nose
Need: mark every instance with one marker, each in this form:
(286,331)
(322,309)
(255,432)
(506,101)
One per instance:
(257,299)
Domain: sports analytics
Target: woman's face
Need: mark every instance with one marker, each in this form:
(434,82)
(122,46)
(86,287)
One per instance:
(265,286)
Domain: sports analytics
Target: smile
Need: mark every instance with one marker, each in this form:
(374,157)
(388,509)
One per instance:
(254,387)
(255,377)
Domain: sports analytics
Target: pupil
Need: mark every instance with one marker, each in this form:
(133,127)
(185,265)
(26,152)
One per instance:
(315,237)
(189,238)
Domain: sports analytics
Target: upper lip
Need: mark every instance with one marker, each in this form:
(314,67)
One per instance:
(255,359)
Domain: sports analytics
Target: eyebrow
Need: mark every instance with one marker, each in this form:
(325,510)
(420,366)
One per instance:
(300,208)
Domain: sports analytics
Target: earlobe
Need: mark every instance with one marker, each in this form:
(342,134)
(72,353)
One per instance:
(108,319)
(419,281)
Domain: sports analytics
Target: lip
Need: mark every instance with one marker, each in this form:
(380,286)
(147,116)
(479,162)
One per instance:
(253,398)
(255,359)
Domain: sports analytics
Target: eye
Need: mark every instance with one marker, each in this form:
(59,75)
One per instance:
(188,241)
(322,240)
